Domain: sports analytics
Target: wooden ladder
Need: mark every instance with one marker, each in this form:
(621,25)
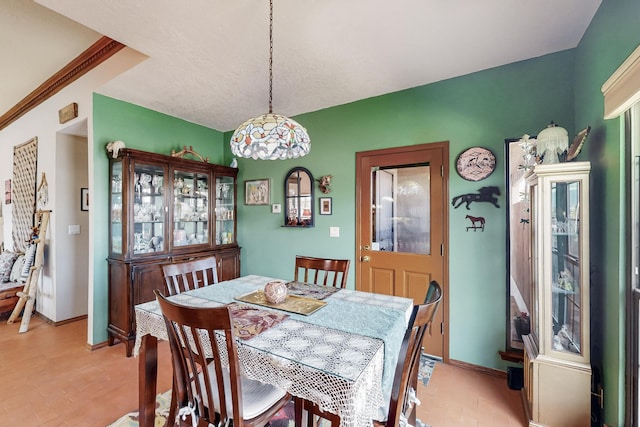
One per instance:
(27,297)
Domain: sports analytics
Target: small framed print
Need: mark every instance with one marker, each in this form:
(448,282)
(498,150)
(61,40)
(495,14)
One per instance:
(7,192)
(325,206)
(84,199)
(256,192)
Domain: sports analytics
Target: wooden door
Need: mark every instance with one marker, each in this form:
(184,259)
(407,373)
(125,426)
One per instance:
(402,225)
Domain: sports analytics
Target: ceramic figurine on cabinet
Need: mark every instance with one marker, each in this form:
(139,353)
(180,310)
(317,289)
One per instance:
(114,148)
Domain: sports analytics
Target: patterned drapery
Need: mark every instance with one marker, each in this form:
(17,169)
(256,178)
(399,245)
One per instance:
(25,159)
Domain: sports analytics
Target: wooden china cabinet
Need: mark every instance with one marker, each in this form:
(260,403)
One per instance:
(164,209)
(557,366)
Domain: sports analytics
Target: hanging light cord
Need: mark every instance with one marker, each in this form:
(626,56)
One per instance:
(270,56)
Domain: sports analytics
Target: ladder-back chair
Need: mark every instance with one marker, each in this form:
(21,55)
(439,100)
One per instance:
(322,271)
(403,392)
(207,391)
(188,275)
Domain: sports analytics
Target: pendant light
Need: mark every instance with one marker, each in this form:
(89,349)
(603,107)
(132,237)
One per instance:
(270,136)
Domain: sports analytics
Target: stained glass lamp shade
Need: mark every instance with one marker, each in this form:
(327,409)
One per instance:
(270,137)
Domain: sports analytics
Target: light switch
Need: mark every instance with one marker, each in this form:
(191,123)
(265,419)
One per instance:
(334,231)
(74,229)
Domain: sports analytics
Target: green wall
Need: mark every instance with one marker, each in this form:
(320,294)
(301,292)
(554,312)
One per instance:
(141,129)
(612,36)
(478,109)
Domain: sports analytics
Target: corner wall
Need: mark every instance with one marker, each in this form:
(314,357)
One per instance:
(611,37)
(142,129)
(72,284)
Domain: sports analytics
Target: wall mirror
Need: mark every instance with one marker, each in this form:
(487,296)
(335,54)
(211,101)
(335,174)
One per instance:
(298,194)
(518,245)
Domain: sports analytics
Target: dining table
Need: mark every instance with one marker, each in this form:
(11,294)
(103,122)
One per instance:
(341,355)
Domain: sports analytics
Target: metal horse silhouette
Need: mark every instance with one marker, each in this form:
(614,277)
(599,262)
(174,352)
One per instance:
(477,222)
(485,194)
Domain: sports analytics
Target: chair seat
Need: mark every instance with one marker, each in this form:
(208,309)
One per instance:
(257,396)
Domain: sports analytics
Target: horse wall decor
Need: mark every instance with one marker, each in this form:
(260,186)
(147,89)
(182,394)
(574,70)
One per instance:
(477,222)
(484,194)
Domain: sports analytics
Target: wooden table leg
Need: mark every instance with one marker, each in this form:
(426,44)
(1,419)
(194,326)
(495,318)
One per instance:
(147,380)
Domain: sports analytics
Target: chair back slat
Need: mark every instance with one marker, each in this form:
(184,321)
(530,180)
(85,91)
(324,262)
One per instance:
(188,275)
(322,271)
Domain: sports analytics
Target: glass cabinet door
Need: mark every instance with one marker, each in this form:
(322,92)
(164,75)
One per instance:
(190,208)
(225,210)
(116,207)
(148,209)
(566,310)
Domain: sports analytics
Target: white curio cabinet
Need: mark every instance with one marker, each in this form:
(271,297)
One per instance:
(557,369)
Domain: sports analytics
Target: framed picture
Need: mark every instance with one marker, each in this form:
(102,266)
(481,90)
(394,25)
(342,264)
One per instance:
(84,199)
(256,192)
(325,206)
(7,192)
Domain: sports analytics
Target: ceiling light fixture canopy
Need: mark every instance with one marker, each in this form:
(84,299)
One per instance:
(270,136)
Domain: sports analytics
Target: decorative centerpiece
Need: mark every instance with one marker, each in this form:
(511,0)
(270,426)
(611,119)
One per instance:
(275,292)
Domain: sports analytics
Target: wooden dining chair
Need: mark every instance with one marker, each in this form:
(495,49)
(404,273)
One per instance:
(322,271)
(184,276)
(188,275)
(405,382)
(208,390)
(433,291)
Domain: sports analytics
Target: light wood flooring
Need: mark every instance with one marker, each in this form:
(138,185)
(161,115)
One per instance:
(48,377)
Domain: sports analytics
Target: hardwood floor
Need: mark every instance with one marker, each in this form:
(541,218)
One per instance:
(50,378)
(458,397)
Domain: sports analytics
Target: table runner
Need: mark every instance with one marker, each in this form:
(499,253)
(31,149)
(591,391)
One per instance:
(250,321)
(309,290)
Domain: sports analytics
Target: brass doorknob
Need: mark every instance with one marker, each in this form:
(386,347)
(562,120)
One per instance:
(366,248)
(365,259)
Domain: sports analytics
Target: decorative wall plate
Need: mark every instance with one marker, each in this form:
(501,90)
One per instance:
(578,142)
(475,163)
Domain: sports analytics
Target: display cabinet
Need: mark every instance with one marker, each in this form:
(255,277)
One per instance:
(164,209)
(557,371)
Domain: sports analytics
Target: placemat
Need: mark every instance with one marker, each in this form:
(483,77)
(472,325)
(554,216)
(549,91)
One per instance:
(250,321)
(293,303)
(310,290)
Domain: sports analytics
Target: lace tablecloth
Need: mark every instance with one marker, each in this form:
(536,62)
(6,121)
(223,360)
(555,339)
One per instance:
(341,357)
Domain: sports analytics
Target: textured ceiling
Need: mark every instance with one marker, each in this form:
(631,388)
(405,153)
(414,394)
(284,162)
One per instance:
(208,59)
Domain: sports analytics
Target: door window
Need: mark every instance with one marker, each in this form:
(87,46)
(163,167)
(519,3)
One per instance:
(401,214)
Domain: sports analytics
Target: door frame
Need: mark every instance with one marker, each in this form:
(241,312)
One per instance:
(444,146)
